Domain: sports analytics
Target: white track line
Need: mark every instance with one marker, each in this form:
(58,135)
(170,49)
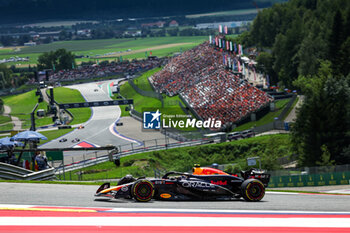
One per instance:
(176,221)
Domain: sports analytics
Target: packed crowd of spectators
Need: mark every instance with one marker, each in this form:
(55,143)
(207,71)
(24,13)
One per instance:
(201,77)
(103,70)
(185,70)
(225,97)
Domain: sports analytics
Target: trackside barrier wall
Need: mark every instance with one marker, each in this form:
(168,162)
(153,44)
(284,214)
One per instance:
(332,178)
(93,161)
(11,172)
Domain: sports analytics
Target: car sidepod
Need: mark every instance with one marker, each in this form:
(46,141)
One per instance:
(190,189)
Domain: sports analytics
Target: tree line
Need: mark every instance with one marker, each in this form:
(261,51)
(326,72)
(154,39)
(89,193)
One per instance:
(27,10)
(305,44)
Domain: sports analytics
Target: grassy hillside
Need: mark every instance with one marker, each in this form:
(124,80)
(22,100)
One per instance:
(66,95)
(269,148)
(22,105)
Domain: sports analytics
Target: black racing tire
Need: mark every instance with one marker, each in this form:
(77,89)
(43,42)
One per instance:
(253,190)
(142,190)
(126,179)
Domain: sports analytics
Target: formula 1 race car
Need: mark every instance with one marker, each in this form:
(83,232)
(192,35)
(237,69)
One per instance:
(203,184)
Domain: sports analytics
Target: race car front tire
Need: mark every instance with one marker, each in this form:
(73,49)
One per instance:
(142,190)
(253,190)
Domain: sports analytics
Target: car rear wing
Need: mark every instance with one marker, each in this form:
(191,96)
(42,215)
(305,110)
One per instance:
(256,174)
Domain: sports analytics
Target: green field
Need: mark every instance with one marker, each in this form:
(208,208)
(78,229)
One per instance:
(225,13)
(95,48)
(162,52)
(5,50)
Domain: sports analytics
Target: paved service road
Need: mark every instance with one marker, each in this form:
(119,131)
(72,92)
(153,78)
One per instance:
(83,196)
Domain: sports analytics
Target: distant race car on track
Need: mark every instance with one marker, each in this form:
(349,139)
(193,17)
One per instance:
(203,184)
(76,140)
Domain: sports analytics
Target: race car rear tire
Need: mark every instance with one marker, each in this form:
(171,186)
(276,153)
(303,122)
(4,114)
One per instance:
(142,190)
(253,190)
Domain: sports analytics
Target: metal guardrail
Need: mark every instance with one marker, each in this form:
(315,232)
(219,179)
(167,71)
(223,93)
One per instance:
(11,172)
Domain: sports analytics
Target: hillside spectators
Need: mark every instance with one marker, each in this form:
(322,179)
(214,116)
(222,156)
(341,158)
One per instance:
(200,77)
(103,70)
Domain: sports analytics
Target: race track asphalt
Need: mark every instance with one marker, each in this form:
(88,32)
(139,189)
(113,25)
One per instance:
(96,131)
(83,196)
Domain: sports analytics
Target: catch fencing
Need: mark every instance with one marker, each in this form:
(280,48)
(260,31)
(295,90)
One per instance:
(126,150)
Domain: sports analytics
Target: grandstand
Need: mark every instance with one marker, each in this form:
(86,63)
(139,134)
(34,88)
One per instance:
(93,71)
(201,78)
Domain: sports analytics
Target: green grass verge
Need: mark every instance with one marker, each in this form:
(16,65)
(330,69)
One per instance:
(124,112)
(291,108)
(80,115)
(142,81)
(66,95)
(50,182)
(6,127)
(269,148)
(4,119)
(280,105)
(224,13)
